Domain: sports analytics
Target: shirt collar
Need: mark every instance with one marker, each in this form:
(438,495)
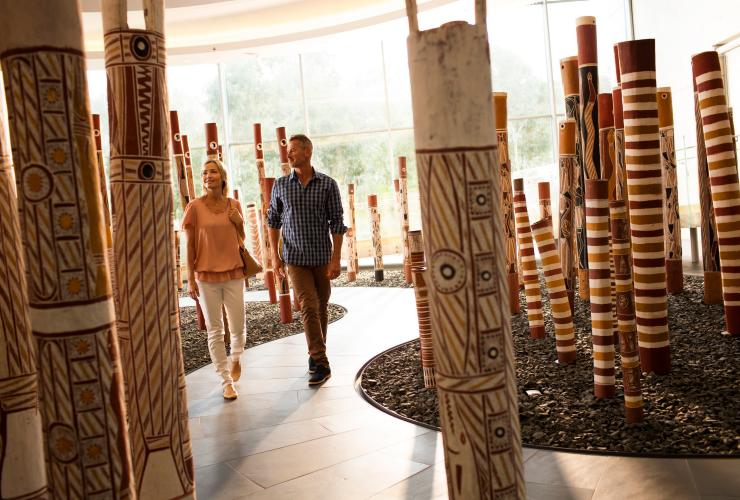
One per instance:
(316,175)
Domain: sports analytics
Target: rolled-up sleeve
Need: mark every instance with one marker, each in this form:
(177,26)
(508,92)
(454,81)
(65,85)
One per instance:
(334,210)
(275,211)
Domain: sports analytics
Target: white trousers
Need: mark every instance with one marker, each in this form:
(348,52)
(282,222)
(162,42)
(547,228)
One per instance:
(229,294)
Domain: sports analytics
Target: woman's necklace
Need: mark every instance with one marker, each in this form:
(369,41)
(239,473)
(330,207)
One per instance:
(216,207)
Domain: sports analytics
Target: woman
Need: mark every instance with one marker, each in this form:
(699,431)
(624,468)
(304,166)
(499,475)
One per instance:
(214,226)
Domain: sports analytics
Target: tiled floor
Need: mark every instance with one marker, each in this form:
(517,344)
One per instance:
(281,439)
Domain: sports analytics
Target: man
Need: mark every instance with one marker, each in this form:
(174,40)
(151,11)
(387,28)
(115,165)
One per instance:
(307,206)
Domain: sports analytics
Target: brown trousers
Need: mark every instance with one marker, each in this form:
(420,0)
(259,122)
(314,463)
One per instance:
(313,289)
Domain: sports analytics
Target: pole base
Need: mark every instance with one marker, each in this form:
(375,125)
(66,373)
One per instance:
(713,287)
(674,276)
(378,275)
(514,293)
(584,291)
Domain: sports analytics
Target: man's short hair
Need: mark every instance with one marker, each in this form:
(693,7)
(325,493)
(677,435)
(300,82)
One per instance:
(304,140)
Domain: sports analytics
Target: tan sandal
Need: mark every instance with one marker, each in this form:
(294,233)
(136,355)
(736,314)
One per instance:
(236,370)
(230,392)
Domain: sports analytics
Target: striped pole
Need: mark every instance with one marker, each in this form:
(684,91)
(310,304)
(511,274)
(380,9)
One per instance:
(543,190)
(254,232)
(723,179)
(403,199)
(645,186)
(569,75)
(507,207)
(565,342)
(530,276)
(351,236)
(672,221)
(566,233)
(602,334)
(421,293)
(267,264)
(372,205)
(629,354)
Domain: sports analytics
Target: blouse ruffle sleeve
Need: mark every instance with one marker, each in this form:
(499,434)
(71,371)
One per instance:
(189,218)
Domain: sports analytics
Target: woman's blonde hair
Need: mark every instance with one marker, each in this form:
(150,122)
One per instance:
(224,176)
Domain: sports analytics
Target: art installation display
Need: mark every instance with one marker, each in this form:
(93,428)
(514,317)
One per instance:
(568,166)
(467,252)
(672,220)
(141,192)
(599,264)
(530,275)
(22,466)
(629,354)
(507,199)
(421,293)
(211,130)
(645,187)
(282,141)
(709,243)
(178,153)
(70,303)
(543,190)
(723,177)
(254,233)
(178,263)
(403,198)
(188,167)
(106,206)
(620,168)
(352,261)
(372,205)
(286,313)
(588,85)
(569,75)
(565,341)
(269,272)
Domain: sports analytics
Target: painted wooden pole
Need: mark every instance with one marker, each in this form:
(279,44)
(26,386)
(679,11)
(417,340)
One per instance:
(178,152)
(456,157)
(22,466)
(421,293)
(672,221)
(141,190)
(645,186)
(507,205)
(403,198)
(351,236)
(372,205)
(254,232)
(565,342)
(269,272)
(566,228)
(709,243)
(569,75)
(188,167)
(607,152)
(71,309)
(629,353)
(620,168)
(602,334)
(723,178)
(543,190)
(283,288)
(528,264)
(589,90)
(283,150)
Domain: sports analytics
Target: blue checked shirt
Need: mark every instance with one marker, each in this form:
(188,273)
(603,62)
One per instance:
(307,215)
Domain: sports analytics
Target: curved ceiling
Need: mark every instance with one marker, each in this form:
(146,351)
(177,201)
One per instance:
(205,26)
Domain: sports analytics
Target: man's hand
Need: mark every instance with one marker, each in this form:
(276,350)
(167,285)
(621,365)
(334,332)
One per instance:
(235,216)
(334,269)
(193,288)
(278,266)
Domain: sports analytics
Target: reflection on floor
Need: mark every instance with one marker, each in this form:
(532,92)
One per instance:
(281,439)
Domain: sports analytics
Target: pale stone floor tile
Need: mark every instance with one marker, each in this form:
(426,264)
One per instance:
(284,464)
(527,453)
(716,476)
(327,393)
(536,491)
(648,478)
(429,484)
(355,419)
(354,479)
(224,447)
(566,469)
(426,449)
(221,482)
(217,405)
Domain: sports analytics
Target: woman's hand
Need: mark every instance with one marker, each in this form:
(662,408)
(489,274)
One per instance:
(236,217)
(193,288)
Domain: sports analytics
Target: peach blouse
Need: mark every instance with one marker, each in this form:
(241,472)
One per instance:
(217,256)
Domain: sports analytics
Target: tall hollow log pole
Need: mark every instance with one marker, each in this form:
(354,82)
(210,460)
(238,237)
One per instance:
(629,353)
(188,167)
(178,153)
(543,191)
(599,264)
(723,177)
(456,157)
(507,198)
(142,203)
(283,150)
(645,186)
(565,342)
(530,275)
(672,221)
(421,293)
(351,236)
(372,205)
(254,232)
(72,317)
(569,75)
(588,84)
(566,229)
(265,205)
(620,168)
(22,453)
(403,198)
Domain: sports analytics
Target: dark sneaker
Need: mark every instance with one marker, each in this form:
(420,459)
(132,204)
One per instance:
(311,365)
(321,375)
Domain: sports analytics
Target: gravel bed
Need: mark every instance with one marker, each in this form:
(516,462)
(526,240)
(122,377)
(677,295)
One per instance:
(693,410)
(263,325)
